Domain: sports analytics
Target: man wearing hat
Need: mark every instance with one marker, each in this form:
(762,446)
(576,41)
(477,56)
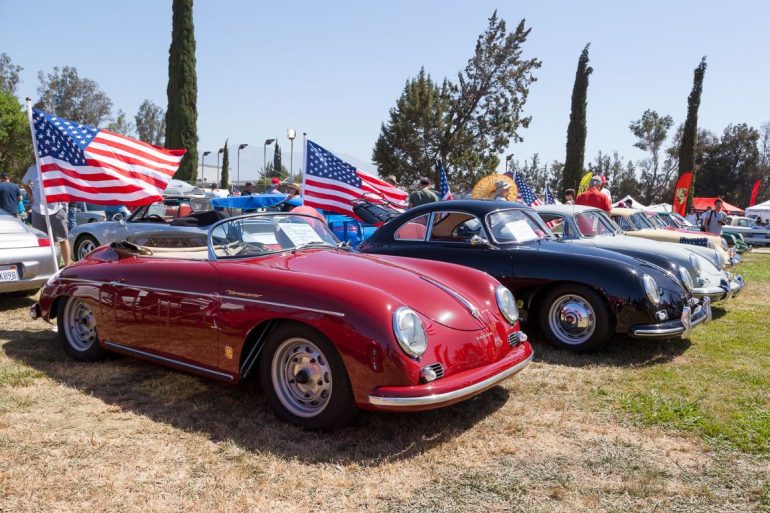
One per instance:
(422,194)
(501,190)
(248,189)
(606,188)
(594,197)
(10,195)
(274,183)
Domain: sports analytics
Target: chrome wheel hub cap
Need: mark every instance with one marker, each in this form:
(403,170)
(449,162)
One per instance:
(572,319)
(85,248)
(302,377)
(80,324)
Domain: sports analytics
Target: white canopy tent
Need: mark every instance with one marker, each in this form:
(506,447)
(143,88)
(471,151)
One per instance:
(634,203)
(660,207)
(762,210)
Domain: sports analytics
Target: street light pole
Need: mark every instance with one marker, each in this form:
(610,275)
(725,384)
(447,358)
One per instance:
(264,159)
(203,166)
(240,147)
(291,134)
(221,151)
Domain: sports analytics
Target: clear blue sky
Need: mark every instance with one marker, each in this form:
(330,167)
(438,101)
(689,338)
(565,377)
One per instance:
(334,69)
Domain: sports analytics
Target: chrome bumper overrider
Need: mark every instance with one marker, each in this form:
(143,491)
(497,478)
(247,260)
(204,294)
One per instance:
(454,395)
(688,320)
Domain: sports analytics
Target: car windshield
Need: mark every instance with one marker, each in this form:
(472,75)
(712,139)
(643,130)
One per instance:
(679,220)
(657,221)
(515,226)
(593,224)
(640,221)
(260,234)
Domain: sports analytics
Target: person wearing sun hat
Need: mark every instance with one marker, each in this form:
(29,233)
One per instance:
(501,190)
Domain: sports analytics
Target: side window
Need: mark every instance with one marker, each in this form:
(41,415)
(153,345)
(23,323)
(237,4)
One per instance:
(454,227)
(414,229)
(623,222)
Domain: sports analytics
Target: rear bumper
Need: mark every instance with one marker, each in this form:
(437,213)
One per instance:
(680,327)
(452,389)
(33,266)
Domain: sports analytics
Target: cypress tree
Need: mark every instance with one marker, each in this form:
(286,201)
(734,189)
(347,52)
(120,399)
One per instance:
(576,131)
(225,177)
(690,131)
(182,91)
(277,166)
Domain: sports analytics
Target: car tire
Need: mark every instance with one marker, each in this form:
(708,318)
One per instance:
(304,380)
(84,245)
(575,318)
(77,330)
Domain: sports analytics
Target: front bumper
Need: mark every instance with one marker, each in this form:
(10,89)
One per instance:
(680,327)
(722,292)
(452,389)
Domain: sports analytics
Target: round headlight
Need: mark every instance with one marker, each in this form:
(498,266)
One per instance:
(409,332)
(695,264)
(507,304)
(684,274)
(651,288)
(724,244)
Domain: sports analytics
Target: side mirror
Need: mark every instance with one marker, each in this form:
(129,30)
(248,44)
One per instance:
(118,217)
(480,241)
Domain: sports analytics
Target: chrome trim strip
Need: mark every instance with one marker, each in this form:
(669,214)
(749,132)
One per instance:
(465,302)
(406,402)
(285,305)
(663,332)
(170,361)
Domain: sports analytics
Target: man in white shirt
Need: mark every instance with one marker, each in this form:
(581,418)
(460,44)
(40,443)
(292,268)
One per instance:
(606,188)
(692,217)
(713,220)
(57,212)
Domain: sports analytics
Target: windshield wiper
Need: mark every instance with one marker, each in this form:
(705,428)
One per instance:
(314,243)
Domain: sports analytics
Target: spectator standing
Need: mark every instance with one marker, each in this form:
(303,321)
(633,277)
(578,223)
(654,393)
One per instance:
(713,220)
(693,217)
(422,194)
(10,195)
(606,188)
(594,197)
(569,197)
(629,203)
(248,189)
(273,189)
(57,212)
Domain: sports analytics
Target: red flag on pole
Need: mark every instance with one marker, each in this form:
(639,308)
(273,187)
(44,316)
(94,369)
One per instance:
(681,193)
(754,194)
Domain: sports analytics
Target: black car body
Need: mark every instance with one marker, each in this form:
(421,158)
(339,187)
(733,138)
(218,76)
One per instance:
(579,295)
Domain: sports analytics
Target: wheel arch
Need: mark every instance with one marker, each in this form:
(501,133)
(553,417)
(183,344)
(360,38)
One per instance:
(536,299)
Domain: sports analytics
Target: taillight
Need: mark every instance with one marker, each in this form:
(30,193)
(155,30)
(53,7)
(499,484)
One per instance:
(43,243)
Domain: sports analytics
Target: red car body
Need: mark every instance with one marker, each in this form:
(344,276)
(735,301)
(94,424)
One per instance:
(207,316)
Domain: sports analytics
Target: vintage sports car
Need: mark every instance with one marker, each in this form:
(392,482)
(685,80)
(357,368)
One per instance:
(590,226)
(25,256)
(636,224)
(326,329)
(579,295)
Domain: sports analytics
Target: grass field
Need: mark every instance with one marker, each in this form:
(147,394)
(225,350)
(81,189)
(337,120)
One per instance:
(642,426)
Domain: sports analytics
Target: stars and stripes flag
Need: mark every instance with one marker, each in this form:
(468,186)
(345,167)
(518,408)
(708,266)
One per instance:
(549,199)
(527,196)
(332,184)
(444,192)
(83,163)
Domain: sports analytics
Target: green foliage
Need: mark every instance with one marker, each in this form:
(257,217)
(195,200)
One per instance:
(121,125)
(277,157)
(731,165)
(576,131)
(15,138)
(9,74)
(182,91)
(466,123)
(150,123)
(224,182)
(651,131)
(689,133)
(621,177)
(65,94)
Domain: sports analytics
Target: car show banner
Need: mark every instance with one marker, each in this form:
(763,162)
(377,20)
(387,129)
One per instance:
(754,193)
(681,193)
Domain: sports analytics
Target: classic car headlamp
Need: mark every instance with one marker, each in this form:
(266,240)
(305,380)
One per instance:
(684,274)
(507,304)
(695,264)
(651,288)
(724,244)
(409,332)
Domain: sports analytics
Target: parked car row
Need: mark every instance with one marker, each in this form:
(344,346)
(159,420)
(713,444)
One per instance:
(427,312)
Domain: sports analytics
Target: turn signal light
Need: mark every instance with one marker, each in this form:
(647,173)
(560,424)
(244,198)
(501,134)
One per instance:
(44,243)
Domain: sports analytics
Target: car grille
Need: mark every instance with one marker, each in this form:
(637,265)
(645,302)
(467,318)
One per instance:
(438,369)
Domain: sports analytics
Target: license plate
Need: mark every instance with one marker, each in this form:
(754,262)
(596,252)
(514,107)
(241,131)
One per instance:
(9,273)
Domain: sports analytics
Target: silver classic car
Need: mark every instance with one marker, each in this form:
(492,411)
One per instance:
(590,226)
(25,256)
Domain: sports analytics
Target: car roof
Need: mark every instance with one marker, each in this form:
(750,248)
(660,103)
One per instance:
(563,209)
(478,207)
(624,211)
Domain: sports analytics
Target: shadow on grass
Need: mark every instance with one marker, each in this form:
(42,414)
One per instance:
(239,415)
(16,300)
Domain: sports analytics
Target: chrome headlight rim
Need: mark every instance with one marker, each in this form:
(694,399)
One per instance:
(651,289)
(507,304)
(684,275)
(696,265)
(416,346)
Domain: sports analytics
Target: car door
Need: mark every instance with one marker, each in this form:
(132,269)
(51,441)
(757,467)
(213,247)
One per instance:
(166,307)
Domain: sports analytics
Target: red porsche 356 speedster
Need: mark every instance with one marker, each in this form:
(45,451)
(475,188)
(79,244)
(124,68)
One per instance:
(326,330)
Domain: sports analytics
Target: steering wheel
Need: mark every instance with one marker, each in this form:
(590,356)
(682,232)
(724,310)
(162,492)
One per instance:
(154,218)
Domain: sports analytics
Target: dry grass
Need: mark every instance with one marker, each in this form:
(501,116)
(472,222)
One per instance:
(129,436)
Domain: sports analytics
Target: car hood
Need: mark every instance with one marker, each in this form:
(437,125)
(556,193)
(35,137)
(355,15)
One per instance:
(412,282)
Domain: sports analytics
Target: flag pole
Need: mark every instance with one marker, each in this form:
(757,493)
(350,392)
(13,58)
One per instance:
(43,205)
(304,162)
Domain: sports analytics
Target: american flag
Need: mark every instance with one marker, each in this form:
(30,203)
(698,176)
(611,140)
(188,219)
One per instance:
(549,199)
(332,184)
(444,192)
(527,196)
(83,163)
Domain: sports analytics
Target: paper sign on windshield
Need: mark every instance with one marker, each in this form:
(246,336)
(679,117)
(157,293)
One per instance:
(299,233)
(521,231)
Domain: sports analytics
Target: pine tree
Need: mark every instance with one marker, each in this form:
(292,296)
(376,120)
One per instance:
(225,177)
(576,131)
(277,166)
(182,91)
